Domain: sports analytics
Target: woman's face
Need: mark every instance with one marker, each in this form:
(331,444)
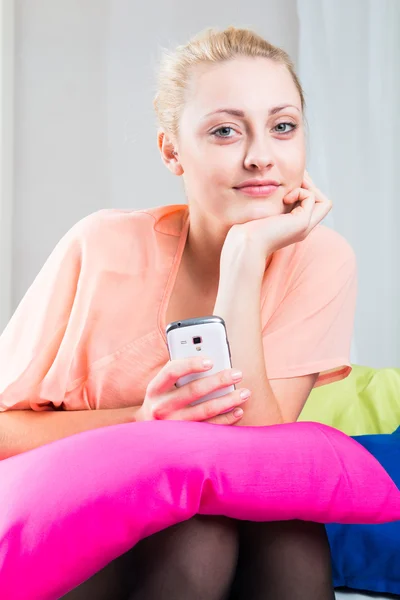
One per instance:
(217,152)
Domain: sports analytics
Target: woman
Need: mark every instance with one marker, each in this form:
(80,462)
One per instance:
(90,332)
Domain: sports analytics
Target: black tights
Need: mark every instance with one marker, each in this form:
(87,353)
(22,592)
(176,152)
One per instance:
(215,558)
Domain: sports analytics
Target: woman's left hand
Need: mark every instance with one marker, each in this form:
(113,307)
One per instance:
(267,235)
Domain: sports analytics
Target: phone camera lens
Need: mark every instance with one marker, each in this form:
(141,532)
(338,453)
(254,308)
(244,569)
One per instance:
(179,324)
(197,340)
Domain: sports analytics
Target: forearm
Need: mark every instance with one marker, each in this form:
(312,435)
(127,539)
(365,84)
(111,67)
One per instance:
(22,430)
(238,303)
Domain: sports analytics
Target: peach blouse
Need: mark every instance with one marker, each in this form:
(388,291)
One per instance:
(90,331)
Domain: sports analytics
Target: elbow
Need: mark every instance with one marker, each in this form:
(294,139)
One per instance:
(12,434)
(4,439)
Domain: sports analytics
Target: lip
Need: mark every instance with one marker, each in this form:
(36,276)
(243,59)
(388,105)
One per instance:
(258,191)
(261,182)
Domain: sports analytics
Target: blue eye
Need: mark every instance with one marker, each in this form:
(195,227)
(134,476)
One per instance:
(292,125)
(221,129)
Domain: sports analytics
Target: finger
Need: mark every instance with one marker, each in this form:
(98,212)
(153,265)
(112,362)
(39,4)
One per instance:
(230,418)
(292,196)
(316,210)
(304,209)
(321,197)
(210,409)
(320,211)
(310,185)
(307,180)
(173,370)
(297,195)
(197,389)
(307,183)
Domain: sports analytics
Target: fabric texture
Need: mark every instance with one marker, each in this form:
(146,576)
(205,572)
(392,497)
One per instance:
(72,506)
(366,402)
(367,557)
(96,340)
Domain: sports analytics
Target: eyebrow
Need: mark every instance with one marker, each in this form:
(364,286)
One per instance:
(240,113)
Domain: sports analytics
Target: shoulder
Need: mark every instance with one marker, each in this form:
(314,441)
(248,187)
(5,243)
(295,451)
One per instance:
(324,249)
(323,261)
(118,224)
(327,242)
(118,240)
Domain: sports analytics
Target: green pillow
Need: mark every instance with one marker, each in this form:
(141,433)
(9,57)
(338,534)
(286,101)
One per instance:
(366,402)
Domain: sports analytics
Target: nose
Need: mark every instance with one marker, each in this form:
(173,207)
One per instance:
(259,154)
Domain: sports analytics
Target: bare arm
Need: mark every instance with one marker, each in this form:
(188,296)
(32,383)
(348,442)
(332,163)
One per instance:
(240,286)
(22,430)
(275,401)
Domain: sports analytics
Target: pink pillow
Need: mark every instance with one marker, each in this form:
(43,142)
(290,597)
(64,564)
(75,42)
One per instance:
(70,507)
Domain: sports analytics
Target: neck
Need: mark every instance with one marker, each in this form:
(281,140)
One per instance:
(203,252)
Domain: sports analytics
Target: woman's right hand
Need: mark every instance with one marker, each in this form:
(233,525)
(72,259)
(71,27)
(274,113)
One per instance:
(165,401)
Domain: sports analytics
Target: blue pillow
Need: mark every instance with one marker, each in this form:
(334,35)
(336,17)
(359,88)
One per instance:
(367,557)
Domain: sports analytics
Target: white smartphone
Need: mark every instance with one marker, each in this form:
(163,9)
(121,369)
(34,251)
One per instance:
(203,336)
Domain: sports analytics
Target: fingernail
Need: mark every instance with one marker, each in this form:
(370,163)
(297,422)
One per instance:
(237,412)
(207,363)
(245,394)
(237,375)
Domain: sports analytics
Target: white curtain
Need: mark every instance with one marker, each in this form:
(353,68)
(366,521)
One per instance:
(349,65)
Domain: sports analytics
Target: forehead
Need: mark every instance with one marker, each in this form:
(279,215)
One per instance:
(244,82)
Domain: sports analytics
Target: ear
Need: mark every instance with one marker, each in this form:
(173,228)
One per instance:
(169,154)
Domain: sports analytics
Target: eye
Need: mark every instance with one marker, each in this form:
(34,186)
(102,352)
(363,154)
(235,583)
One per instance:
(292,125)
(216,133)
(222,129)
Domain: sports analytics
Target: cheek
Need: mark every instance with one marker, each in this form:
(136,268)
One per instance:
(292,162)
(217,174)
(205,166)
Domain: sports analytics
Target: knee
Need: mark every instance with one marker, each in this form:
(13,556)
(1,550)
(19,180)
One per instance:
(208,556)
(294,538)
(199,556)
(214,548)
(218,534)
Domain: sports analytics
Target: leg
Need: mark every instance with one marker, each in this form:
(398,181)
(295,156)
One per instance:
(195,559)
(285,560)
(107,584)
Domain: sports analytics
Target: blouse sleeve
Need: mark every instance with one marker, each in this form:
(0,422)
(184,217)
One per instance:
(31,344)
(310,330)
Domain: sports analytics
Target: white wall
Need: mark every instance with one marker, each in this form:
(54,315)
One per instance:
(85,133)
(6,155)
(62,167)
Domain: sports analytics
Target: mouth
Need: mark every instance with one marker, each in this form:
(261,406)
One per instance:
(258,191)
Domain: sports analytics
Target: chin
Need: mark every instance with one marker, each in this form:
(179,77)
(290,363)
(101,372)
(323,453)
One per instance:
(234,212)
(260,207)
(261,210)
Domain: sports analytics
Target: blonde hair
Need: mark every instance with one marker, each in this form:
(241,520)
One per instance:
(207,47)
